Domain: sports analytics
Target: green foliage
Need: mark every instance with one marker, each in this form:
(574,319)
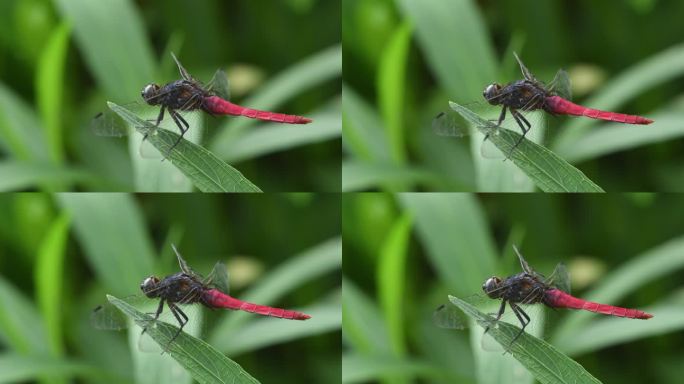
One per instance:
(434,51)
(113,39)
(94,244)
(621,250)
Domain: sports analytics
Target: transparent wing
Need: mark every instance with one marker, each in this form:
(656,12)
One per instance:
(219,278)
(110,124)
(184,73)
(219,85)
(108,317)
(560,278)
(526,72)
(560,85)
(526,267)
(183,265)
(448,316)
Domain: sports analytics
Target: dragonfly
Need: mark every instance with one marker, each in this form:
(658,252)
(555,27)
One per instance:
(521,97)
(187,95)
(528,288)
(184,288)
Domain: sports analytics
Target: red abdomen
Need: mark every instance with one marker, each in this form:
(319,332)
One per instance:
(559,299)
(219,106)
(217,299)
(560,106)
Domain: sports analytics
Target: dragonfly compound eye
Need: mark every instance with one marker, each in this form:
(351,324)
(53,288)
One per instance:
(491,286)
(149,286)
(491,93)
(150,94)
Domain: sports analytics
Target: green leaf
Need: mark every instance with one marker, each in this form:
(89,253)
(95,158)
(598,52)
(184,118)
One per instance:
(392,88)
(548,171)
(206,171)
(204,362)
(362,323)
(357,176)
(452,228)
(543,360)
(361,128)
(50,280)
(111,230)
(18,176)
(122,61)
(364,369)
(20,130)
(50,88)
(21,328)
(391,281)
(16,368)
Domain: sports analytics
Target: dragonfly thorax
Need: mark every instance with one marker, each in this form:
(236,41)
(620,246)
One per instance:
(492,287)
(149,286)
(492,93)
(150,94)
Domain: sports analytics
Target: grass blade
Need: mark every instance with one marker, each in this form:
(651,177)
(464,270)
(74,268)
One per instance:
(392,88)
(548,171)
(20,322)
(452,229)
(50,280)
(206,171)
(18,176)
(392,282)
(543,360)
(110,229)
(204,362)
(50,88)
(15,368)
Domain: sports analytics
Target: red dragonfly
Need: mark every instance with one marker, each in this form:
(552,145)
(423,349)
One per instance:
(531,94)
(187,95)
(188,287)
(530,287)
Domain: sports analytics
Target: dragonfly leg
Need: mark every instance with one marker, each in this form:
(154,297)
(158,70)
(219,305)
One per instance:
(158,121)
(160,309)
(500,120)
(502,309)
(523,318)
(182,125)
(182,319)
(524,127)
(502,116)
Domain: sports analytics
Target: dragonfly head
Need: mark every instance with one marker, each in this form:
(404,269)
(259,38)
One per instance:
(151,94)
(492,93)
(492,287)
(150,286)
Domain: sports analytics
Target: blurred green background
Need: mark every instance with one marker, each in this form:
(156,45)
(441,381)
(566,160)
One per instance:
(405,59)
(403,254)
(61,60)
(62,253)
